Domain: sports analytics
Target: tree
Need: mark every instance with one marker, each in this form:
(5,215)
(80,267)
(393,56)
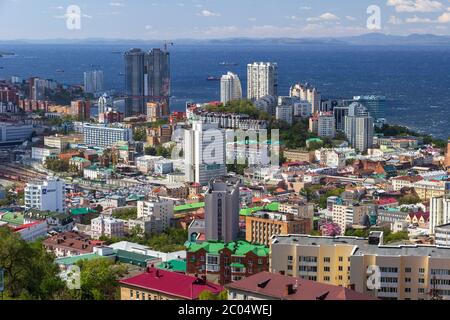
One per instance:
(169,241)
(140,134)
(99,279)
(150,151)
(57,165)
(208,295)
(30,272)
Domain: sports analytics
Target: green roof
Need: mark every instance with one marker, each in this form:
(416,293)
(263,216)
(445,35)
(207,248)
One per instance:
(173,265)
(237,265)
(189,207)
(79,159)
(13,218)
(68,261)
(274,206)
(81,211)
(238,248)
(133,258)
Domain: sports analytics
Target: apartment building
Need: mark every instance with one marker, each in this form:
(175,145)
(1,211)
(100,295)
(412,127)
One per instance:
(346,216)
(158,208)
(427,189)
(398,183)
(261,226)
(403,272)
(226,262)
(107,226)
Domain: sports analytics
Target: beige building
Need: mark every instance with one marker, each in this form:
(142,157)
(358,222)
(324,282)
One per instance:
(346,216)
(404,272)
(299,156)
(62,142)
(428,189)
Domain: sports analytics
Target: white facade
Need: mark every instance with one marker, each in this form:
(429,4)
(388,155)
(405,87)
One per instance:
(230,88)
(262,80)
(204,153)
(161,209)
(41,154)
(327,126)
(107,226)
(33,231)
(14,133)
(285,113)
(93,81)
(439,212)
(146,164)
(105,136)
(45,195)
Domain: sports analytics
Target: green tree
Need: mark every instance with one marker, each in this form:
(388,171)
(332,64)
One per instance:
(99,279)
(140,134)
(208,295)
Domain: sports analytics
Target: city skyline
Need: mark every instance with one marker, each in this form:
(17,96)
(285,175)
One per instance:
(206,19)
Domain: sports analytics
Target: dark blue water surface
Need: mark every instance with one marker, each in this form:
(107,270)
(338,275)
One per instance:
(416,80)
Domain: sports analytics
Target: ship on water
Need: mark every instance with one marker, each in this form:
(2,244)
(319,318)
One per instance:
(228,64)
(211,78)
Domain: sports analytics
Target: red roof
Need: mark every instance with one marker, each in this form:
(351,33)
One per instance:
(28,225)
(275,286)
(385,201)
(172,283)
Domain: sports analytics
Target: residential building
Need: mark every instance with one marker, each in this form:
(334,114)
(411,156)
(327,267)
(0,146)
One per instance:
(158,284)
(45,195)
(32,231)
(146,164)
(299,156)
(407,272)
(226,262)
(398,183)
(41,154)
(79,163)
(359,127)
(147,78)
(267,104)
(108,227)
(442,235)
(70,244)
(163,167)
(339,115)
(427,189)
(230,88)
(81,109)
(104,136)
(276,286)
(204,153)
(346,216)
(158,208)
(222,210)
(285,113)
(261,226)
(262,80)
(93,81)
(157,111)
(308,93)
(439,212)
(326,125)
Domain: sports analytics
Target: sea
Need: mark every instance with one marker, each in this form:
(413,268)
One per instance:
(415,80)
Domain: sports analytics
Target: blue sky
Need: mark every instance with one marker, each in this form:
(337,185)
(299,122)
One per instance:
(177,19)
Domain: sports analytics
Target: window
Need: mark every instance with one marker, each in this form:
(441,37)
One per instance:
(341,259)
(143,296)
(289,268)
(407,279)
(421,290)
(131,293)
(407,290)
(327,259)
(326,269)
(326,279)
(421,280)
(340,268)
(290,258)
(137,295)
(260,261)
(340,278)
(408,270)
(421,270)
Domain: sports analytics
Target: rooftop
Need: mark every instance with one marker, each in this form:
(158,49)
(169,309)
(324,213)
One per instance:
(172,283)
(238,248)
(275,286)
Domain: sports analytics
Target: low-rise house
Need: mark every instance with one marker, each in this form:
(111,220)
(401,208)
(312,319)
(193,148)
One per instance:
(70,244)
(32,231)
(157,284)
(275,286)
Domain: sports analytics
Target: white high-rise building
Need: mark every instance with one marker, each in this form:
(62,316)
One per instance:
(439,212)
(46,195)
(285,113)
(262,80)
(93,81)
(105,136)
(327,125)
(230,88)
(307,93)
(359,127)
(204,152)
(159,209)
(222,211)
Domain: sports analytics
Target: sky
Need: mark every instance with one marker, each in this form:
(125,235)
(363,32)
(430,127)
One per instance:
(212,19)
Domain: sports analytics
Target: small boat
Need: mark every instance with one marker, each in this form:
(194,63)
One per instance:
(213,78)
(59,70)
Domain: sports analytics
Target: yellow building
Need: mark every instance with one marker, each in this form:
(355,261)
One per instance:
(403,272)
(428,189)
(261,226)
(299,156)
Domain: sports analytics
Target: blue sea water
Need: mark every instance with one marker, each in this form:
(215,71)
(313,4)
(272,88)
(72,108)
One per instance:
(416,80)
